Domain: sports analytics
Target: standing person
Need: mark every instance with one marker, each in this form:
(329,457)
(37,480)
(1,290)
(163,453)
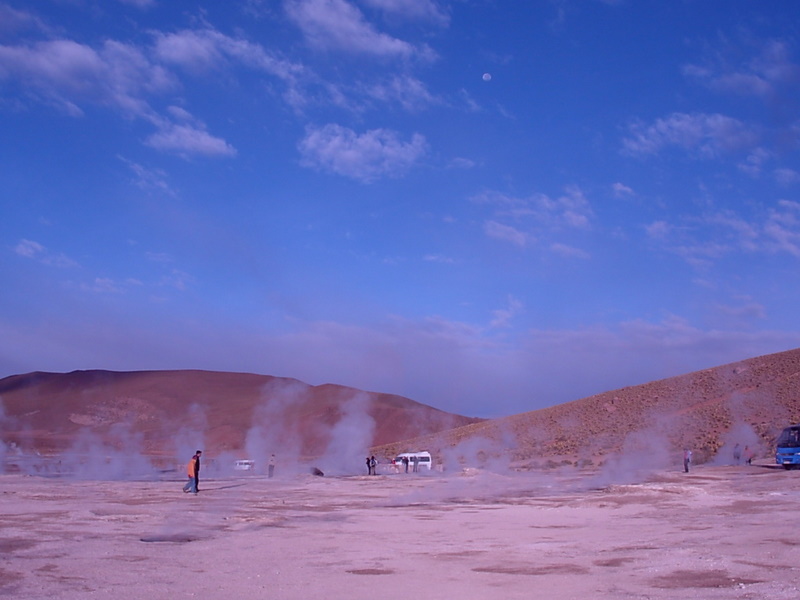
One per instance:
(191,472)
(737,454)
(415,459)
(271,466)
(687,459)
(405,463)
(369,467)
(748,455)
(197,471)
(373,464)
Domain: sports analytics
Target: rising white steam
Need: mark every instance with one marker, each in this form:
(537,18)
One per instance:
(351,438)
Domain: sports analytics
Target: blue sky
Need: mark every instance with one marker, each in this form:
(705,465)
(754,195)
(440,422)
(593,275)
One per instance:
(488,207)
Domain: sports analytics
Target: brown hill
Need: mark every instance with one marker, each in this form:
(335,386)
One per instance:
(747,402)
(159,410)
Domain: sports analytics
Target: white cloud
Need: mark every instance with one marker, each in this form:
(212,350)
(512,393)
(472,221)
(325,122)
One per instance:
(568,251)
(502,317)
(29,248)
(761,76)
(707,135)
(703,240)
(12,19)
(188,140)
(340,25)
(36,251)
(569,210)
(658,230)
(754,163)
(461,163)
(148,179)
(104,285)
(66,73)
(365,157)
(203,49)
(621,190)
(786,176)
(783,228)
(749,311)
(438,258)
(407,91)
(505,233)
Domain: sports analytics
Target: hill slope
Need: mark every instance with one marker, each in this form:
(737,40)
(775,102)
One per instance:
(747,402)
(161,410)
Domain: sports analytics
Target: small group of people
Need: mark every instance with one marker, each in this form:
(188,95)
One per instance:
(193,471)
(372,465)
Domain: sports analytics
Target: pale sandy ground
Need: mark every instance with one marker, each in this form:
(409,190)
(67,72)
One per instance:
(719,532)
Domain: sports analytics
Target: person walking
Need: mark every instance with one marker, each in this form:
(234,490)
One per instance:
(197,471)
(191,472)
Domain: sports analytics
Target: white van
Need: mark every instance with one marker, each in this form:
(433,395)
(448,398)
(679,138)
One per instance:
(422,460)
(244,465)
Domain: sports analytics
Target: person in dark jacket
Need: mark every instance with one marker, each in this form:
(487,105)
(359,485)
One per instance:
(197,471)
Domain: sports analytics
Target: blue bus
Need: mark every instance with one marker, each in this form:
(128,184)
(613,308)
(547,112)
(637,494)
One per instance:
(788,447)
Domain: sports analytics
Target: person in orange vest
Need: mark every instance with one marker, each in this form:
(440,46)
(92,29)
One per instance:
(192,470)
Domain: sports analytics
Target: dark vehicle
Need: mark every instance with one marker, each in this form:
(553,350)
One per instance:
(788,447)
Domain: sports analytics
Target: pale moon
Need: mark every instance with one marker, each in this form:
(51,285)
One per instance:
(487,76)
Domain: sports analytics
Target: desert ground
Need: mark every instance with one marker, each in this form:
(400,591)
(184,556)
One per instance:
(717,532)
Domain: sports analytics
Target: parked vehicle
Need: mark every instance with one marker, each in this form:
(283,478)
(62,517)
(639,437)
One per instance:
(244,465)
(787,452)
(423,460)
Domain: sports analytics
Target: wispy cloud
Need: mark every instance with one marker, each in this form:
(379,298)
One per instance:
(523,221)
(36,251)
(568,251)
(506,233)
(366,157)
(341,26)
(438,258)
(502,317)
(703,134)
(410,93)
(621,190)
(147,178)
(188,140)
(702,240)
(12,20)
(201,50)
(764,75)
(786,176)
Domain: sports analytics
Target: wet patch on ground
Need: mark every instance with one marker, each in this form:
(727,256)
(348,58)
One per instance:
(685,578)
(558,569)
(370,571)
(173,538)
(10,545)
(614,562)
